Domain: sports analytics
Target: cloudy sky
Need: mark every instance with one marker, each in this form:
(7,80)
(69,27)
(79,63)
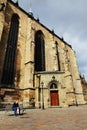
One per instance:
(68,18)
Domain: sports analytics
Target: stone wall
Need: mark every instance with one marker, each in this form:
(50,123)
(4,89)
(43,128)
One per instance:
(67,78)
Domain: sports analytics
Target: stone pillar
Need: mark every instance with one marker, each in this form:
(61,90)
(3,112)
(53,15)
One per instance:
(2,17)
(37,102)
(76,78)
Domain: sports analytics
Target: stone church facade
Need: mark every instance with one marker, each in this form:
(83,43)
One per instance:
(36,66)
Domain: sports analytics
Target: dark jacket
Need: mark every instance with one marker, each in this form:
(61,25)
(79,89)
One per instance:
(15,105)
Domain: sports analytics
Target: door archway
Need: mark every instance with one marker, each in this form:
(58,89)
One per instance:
(54,95)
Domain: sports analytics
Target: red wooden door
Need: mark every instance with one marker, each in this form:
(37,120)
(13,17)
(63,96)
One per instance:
(54,98)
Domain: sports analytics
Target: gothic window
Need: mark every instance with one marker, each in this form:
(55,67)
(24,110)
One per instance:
(53,86)
(57,54)
(39,51)
(9,62)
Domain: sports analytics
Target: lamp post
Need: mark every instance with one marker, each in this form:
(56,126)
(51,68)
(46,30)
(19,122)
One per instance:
(42,83)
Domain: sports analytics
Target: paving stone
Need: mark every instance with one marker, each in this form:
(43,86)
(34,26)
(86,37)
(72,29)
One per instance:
(72,118)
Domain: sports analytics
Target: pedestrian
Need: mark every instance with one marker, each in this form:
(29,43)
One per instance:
(16,108)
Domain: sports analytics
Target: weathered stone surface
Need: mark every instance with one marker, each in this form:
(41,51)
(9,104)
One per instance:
(66,77)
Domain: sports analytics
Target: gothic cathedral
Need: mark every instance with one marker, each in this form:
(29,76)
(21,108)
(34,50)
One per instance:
(37,67)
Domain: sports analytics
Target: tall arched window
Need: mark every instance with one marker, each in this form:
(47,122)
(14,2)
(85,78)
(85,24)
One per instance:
(57,54)
(9,62)
(39,51)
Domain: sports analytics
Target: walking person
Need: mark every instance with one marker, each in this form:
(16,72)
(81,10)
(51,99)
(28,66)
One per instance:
(16,108)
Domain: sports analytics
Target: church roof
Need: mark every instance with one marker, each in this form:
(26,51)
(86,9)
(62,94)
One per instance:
(37,20)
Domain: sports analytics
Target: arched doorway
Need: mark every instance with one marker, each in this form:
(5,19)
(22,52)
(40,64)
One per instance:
(54,96)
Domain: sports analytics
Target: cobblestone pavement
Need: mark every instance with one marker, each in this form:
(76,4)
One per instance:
(72,118)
